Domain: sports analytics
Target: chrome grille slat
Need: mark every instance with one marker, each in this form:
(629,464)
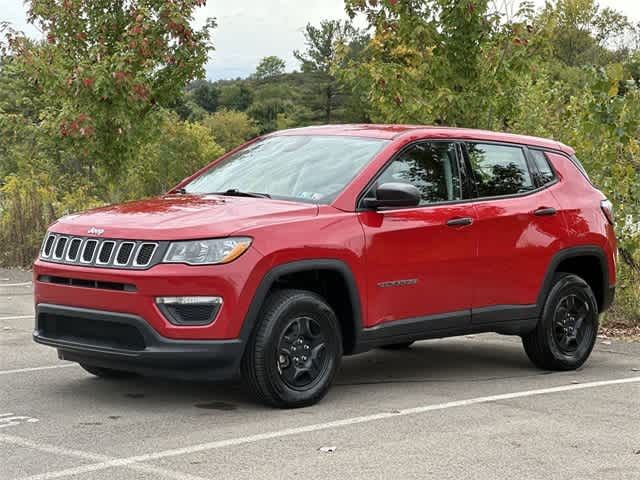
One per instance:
(123,254)
(142,252)
(60,247)
(47,246)
(73,251)
(106,247)
(90,248)
(100,252)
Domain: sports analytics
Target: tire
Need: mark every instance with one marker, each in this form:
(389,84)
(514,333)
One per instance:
(294,352)
(397,346)
(565,335)
(107,372)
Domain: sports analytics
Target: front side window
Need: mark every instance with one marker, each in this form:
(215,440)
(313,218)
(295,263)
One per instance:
(302,167)
(431,167)
(499,170)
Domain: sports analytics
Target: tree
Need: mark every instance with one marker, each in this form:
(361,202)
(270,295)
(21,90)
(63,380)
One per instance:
(206,96)
(321,59)
(451,62)
(236,96)
(105,68)
(230,129)
(269,67)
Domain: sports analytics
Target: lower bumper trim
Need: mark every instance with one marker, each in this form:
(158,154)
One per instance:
(160,356)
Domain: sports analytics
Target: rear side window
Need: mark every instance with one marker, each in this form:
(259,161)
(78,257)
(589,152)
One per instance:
(499,169)
(544,173)
(429,166)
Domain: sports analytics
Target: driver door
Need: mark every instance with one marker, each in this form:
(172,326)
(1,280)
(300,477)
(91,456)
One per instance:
(419,258)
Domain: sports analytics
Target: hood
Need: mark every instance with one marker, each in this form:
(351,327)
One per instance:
(182,217)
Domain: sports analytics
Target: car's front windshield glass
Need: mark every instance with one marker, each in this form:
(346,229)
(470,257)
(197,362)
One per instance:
(297,167)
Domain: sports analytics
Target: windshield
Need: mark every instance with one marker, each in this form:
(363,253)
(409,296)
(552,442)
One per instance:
(307,168)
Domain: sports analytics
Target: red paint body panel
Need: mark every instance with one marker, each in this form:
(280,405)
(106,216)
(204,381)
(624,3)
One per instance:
(500,259)
(515,248)
(416,245)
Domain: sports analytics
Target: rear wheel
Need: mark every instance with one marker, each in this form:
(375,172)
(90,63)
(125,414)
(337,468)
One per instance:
(107,372)
(294,353)
(397,346)
(566,333)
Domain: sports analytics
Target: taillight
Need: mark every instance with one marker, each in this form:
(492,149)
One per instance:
(607,209)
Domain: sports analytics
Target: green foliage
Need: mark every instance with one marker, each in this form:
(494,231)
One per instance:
(105,67)
(323,57)
(29,202)
(269,67)
(181,149)
(206,96)
(230,129)
(236,96)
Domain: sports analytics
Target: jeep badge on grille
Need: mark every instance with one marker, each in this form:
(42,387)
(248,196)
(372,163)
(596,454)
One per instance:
(95,231)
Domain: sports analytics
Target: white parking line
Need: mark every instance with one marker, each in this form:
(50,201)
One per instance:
(36,369)
(123,462)
(17,317)
(94,457)
(23,284)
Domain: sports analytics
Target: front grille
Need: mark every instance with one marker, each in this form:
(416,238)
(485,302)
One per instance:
(124,253)
(60,244)
(89,331)
(145,253)
(74,249)
(89,249)
(99,252)
(106,249)
(48,245)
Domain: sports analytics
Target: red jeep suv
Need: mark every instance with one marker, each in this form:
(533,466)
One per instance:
(309,244)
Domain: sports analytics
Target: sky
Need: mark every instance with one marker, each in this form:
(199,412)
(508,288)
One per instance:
(249,30)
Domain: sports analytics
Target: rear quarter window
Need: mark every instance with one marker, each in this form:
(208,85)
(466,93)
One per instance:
(544,174)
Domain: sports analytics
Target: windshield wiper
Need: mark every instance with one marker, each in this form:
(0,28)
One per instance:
(234,192)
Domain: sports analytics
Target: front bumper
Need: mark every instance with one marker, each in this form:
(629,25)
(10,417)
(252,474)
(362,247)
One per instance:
(127,342)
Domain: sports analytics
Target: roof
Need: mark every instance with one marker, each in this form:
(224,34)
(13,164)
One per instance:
(392,132)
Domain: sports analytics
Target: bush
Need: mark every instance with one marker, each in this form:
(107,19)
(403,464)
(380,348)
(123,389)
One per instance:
(230,129)
(28,205)
(180,149)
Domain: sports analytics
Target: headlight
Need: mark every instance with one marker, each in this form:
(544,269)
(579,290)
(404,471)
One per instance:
(207,252)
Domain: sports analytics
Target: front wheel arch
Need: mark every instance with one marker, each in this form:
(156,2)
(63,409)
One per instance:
(350,321)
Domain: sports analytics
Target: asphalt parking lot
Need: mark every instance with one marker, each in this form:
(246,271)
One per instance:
(471,407)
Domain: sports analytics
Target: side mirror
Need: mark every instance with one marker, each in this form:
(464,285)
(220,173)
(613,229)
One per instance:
(394,195)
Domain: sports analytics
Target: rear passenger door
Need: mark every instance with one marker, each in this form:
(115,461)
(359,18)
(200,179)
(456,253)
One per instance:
(518,229)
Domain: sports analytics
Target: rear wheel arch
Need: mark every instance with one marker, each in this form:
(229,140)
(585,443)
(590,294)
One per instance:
(588,263)
(330,278)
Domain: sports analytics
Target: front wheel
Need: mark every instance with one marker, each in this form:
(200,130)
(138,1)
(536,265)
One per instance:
(295,351)
(566,333)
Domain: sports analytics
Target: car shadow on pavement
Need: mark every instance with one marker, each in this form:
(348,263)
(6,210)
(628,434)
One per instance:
(460,360)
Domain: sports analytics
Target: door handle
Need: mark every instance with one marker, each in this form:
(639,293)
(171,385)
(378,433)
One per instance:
(459,222)
(544,211)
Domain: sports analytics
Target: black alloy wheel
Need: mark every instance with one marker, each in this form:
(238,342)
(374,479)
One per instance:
(295,350)
(571,326)
(566,332)
(302,353)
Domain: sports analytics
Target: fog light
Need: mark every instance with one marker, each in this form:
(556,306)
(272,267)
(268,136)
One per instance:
(189,310)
